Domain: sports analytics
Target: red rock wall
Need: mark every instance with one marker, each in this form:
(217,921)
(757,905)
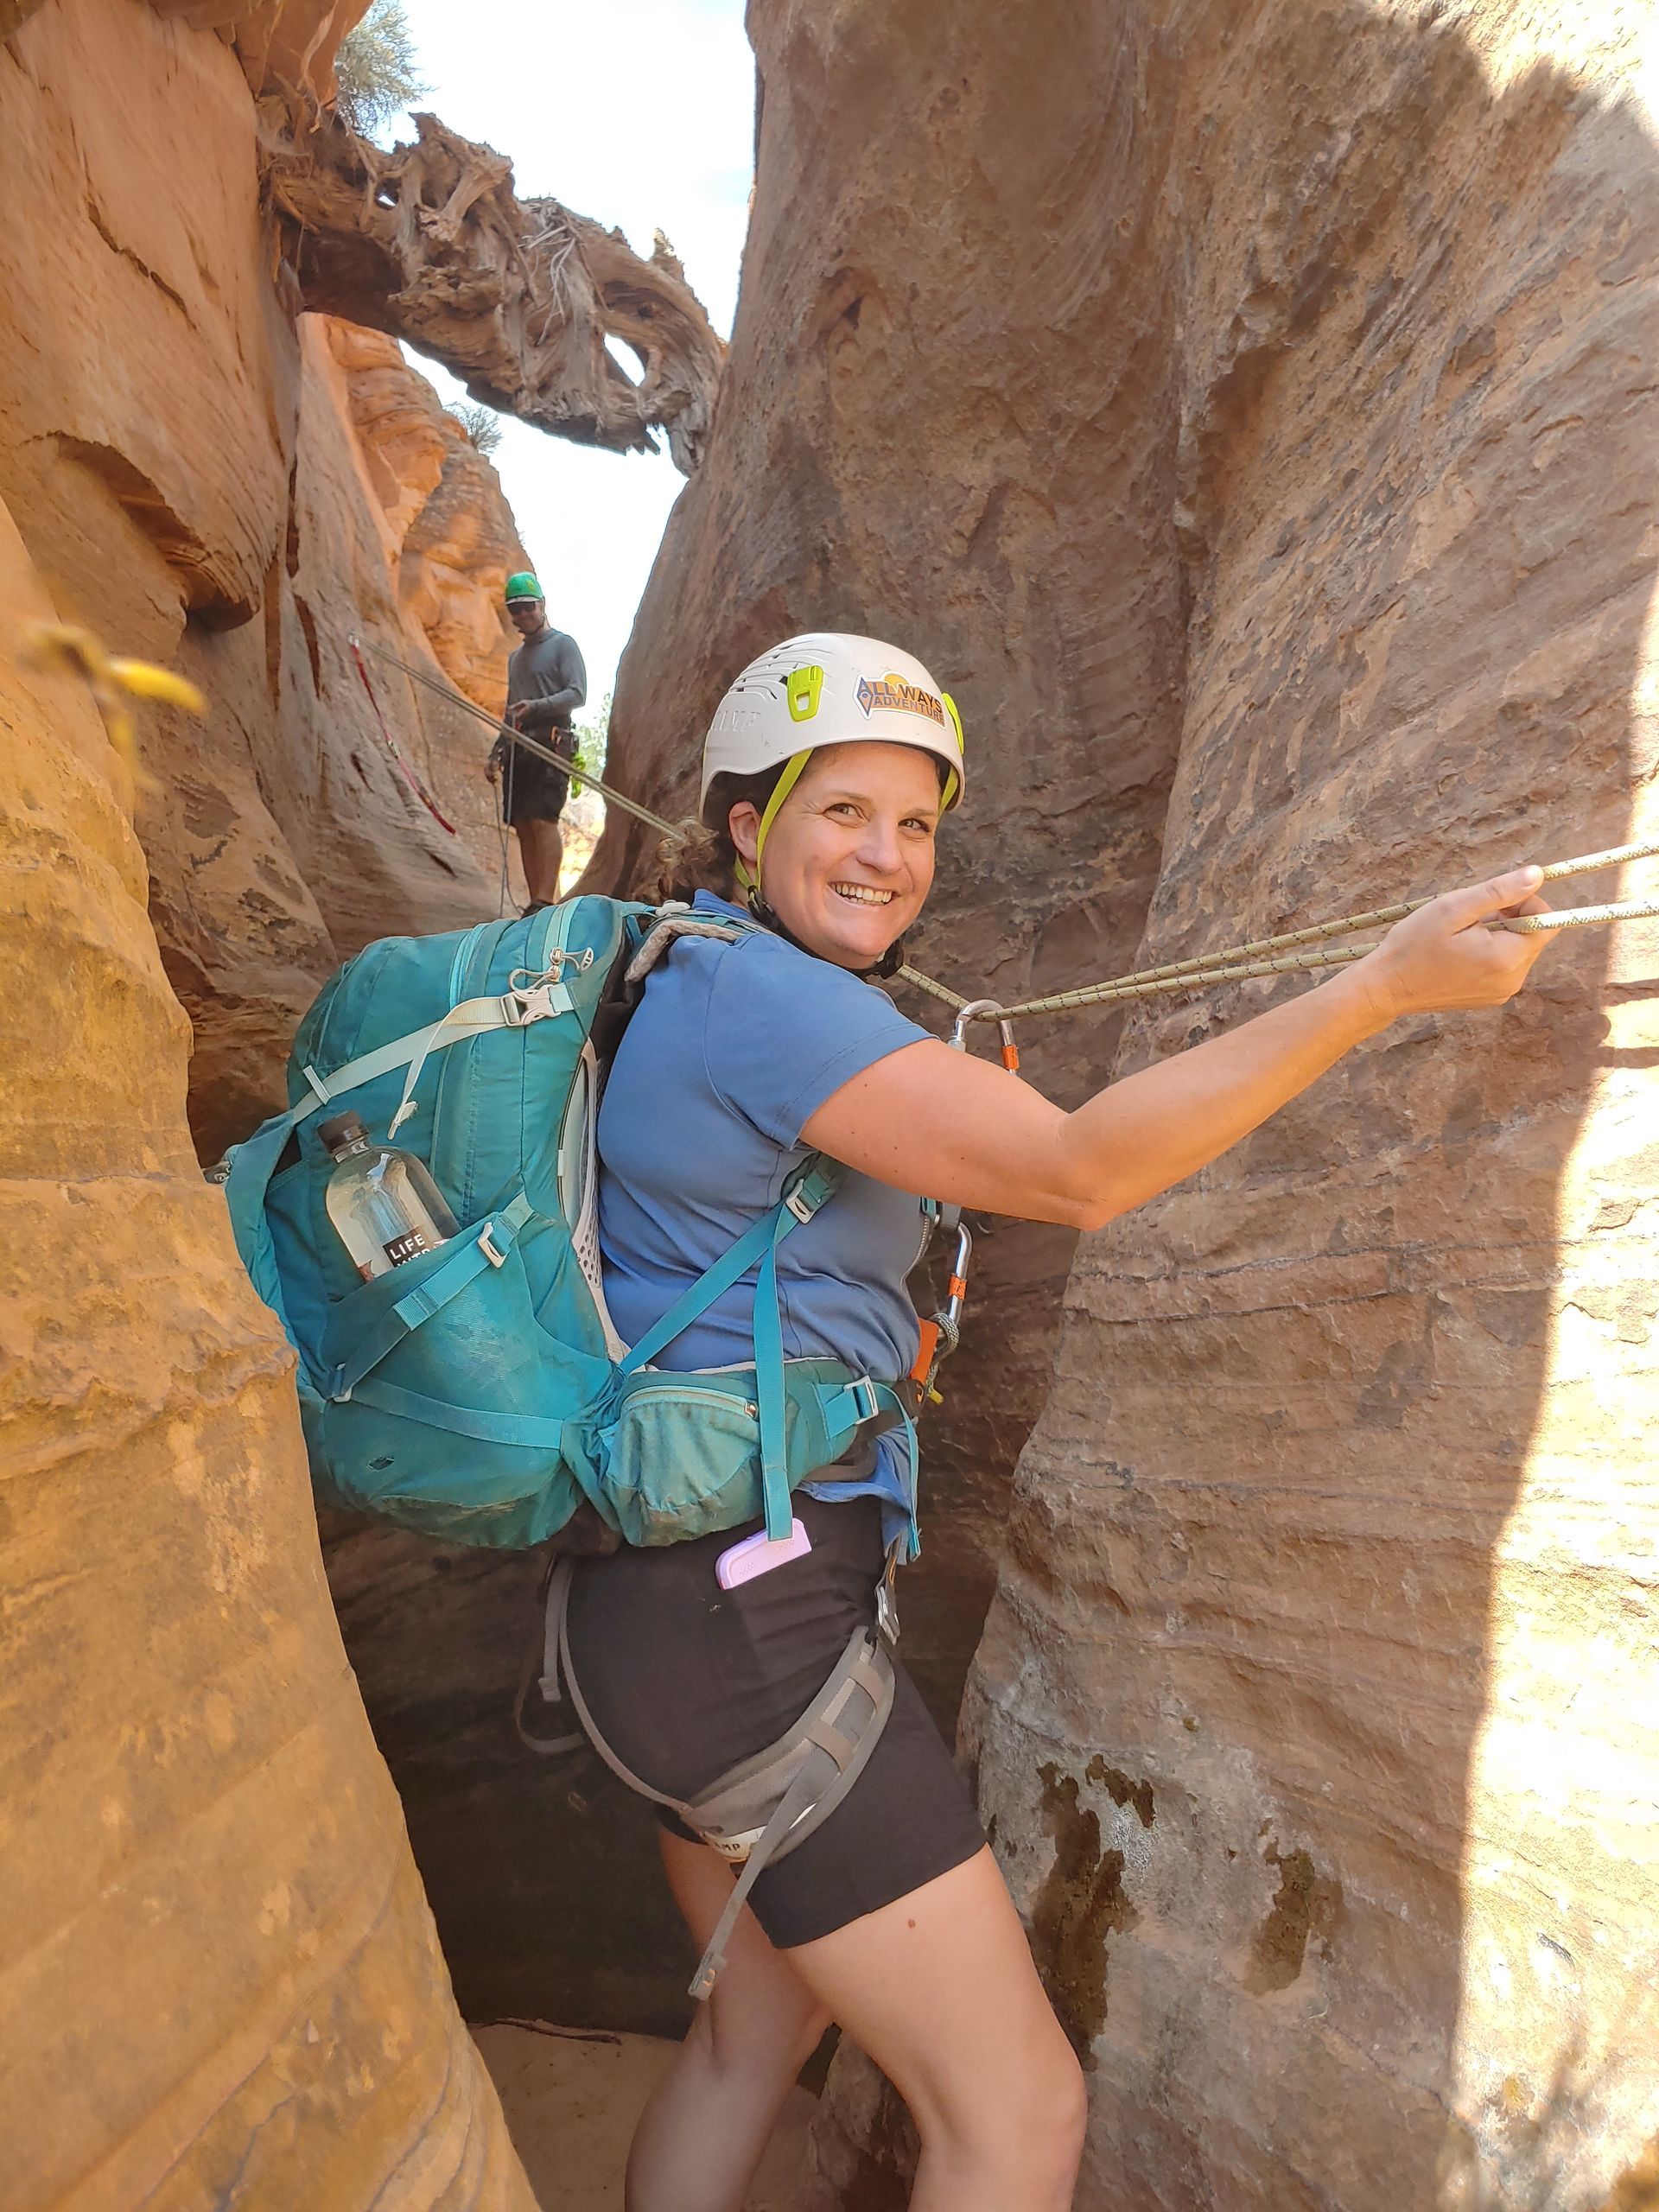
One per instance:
(1245,407)
(220,1980)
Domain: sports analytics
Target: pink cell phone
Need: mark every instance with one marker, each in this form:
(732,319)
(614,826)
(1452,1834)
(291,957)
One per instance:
(754,1555)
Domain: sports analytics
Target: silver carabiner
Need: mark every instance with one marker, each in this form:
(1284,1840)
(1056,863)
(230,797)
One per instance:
(988,1010)
(972,1012)
(949,1316)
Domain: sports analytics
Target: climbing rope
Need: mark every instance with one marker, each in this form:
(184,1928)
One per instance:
(607,791)
(1268,956)
(391,744)
(1274,955)
(112,682)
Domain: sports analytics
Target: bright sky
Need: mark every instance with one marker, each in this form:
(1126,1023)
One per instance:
(639,113)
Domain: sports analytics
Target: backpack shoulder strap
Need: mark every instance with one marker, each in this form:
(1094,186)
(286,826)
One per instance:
(674,921)
(812,1186)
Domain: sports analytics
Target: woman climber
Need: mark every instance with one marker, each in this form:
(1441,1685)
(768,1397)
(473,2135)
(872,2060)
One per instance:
(826,773)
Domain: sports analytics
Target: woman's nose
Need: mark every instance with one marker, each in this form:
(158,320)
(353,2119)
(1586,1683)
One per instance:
(879,847)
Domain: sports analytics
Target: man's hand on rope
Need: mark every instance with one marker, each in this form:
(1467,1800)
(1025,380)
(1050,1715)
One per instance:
(1444,958)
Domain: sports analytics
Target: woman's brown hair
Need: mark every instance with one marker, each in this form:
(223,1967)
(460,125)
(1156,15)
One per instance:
(698,855)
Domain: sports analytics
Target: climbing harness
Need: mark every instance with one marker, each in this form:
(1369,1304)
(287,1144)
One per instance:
(391,744)
(757,1813)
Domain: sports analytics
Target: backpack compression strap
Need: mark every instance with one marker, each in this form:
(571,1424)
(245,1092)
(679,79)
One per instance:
(249,1166)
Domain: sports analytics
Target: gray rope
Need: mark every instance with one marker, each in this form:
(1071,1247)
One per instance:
(607,791)
(1267,956)
(1239,962)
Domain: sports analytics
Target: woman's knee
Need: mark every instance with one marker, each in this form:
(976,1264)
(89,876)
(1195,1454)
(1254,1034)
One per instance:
(1029,2121)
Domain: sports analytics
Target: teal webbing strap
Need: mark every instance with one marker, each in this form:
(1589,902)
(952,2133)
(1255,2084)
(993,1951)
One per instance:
(732,1266)
(533,1431)
(433,1294)
(769,1393)
(815,1185)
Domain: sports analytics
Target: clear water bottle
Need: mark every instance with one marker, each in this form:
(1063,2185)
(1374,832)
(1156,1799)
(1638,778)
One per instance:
(385,1205)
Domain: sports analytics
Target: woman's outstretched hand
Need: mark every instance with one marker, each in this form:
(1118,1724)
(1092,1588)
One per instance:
(1444,957)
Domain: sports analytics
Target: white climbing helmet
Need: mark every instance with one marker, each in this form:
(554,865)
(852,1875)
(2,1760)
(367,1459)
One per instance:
(828,688)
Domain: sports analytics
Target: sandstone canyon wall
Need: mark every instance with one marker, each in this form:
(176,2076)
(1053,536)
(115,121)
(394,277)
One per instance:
(220,1979)
(1246,406)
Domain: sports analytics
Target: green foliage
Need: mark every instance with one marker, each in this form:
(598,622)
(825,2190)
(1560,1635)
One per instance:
(591,736)
(482,424)
(376,70)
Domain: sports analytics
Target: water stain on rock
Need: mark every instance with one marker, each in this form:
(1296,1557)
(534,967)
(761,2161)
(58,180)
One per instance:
(1121,1789)
(1306,1903)
(1080,1906)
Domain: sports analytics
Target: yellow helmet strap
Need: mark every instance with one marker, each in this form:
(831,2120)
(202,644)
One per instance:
(749,880)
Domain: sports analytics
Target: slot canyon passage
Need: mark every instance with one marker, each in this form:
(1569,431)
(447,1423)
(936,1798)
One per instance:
(1248,406)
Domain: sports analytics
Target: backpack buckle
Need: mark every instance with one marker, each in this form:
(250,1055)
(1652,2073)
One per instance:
(486,1245)
(862,1392)
(531,1003)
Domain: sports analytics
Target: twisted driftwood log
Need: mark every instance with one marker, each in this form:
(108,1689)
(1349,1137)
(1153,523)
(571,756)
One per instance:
(515,297)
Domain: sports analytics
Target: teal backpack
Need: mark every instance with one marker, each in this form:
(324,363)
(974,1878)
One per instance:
(478,1392)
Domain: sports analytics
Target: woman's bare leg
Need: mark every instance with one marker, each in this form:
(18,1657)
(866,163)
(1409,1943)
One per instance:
(940,1990)
(709,2120)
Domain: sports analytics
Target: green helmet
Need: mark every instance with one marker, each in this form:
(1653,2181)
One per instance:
(524,586)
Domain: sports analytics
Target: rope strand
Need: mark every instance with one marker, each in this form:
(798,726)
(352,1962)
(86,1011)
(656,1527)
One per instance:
(1278,955)
(607,791)
(1237,963)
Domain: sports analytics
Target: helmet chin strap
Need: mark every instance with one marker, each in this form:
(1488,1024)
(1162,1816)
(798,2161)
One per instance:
(749,880)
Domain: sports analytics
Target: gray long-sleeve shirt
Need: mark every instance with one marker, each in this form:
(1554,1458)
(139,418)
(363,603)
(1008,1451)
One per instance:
(547,670)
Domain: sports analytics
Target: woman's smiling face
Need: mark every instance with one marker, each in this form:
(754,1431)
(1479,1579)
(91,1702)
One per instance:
(849,855)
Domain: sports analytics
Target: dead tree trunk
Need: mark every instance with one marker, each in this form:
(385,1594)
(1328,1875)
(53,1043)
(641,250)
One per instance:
(515,297)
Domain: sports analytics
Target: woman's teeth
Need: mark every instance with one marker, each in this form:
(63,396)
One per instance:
(862,894)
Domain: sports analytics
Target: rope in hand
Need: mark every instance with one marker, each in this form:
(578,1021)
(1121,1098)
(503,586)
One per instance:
(1274,955)
(607,791)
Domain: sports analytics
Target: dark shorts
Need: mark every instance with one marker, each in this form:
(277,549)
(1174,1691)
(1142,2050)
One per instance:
(686,1679)
(533,790)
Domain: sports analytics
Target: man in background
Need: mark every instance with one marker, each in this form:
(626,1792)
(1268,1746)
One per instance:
(546,682)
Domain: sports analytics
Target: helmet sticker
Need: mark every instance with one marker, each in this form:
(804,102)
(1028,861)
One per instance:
(895,692)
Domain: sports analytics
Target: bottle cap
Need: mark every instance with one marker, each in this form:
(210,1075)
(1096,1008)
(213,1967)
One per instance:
(339,1130)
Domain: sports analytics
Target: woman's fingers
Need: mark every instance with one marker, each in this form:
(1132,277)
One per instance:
(1445,957)
(1463,910)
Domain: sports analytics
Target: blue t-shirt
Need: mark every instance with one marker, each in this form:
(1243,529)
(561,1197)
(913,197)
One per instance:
(732,1047)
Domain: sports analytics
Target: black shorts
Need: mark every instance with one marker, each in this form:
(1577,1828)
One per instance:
(685,1679)
(533,790)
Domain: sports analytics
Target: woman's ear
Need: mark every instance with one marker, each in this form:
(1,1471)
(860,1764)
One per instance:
(744,823)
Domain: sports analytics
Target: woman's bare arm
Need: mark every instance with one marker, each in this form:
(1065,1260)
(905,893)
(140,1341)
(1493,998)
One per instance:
(931,1120)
